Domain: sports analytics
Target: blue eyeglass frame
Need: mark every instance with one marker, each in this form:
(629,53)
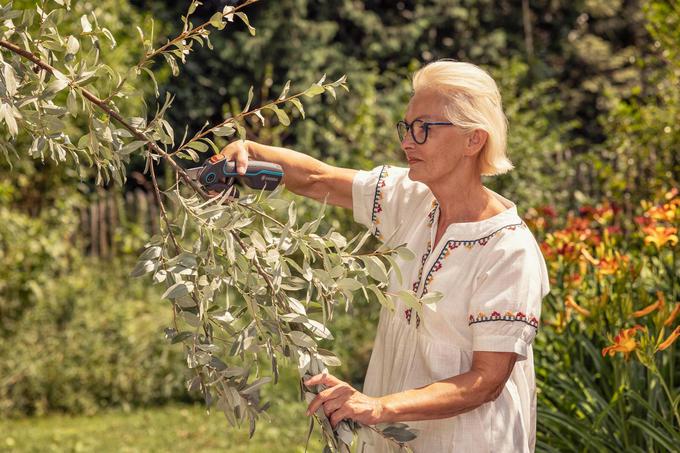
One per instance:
(426,125)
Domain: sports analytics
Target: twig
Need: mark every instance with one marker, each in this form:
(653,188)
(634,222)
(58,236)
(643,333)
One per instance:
(108,110)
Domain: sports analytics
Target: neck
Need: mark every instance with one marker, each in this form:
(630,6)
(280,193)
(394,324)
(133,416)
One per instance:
(461,197)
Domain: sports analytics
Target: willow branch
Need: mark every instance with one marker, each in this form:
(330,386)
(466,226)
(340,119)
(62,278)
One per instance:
(109,111)
(188,33)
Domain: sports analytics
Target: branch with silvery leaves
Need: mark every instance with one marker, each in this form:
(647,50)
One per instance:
(227,249)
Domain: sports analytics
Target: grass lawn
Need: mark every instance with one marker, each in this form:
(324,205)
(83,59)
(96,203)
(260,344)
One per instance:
(167,428)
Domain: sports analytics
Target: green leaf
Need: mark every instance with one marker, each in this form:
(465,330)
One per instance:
(179,289)
(376,268)
(244,18)
(72,45)
(282,116)
(250,100)
(192,7)
(328,358)
(217,21)
(10,80)
(198,146)
(224,130)
(241,131)
(349,284)
(398,433)
(143,268)
(151,253)
(302,339)
(131,147)
(410,300)
(384,301)
(72,103)
(57,85)
(173,64)
(256,385)
(284,93)
(432,298)
(394,267)
(258,241)
(181,336)
(313,90)
(405,253)
(85,24)
(318,329)
(109,36)
(296,102)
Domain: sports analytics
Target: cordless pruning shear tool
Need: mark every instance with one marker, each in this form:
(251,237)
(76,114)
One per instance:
(219,174)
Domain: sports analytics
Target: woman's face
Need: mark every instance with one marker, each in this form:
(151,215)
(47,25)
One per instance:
(447,151)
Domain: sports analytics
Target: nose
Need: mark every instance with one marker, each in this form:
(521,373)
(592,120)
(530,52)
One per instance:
(407,143)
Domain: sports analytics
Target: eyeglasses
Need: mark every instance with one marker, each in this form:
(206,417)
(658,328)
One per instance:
(419,129)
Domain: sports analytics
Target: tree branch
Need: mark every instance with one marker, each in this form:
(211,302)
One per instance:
(108,110)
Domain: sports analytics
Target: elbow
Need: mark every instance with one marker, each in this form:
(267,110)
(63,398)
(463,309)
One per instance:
(494,392)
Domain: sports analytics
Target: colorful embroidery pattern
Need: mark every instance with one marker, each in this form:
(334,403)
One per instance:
(416,284)
(508,316)
(377,200)
(454,244)
(430,216)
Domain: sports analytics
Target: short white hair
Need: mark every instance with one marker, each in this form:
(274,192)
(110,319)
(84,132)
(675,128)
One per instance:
(474,103)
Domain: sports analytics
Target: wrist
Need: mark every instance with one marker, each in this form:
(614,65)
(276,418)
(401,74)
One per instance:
(387,409)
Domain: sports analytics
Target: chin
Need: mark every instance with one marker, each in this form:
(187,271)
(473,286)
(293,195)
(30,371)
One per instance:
(415,174)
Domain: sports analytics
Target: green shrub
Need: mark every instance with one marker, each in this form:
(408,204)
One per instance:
(76,334)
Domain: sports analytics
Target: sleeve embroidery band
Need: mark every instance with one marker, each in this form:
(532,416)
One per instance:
(377,201)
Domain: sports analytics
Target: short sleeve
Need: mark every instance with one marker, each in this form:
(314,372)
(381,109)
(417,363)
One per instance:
(505,308)
(383,198)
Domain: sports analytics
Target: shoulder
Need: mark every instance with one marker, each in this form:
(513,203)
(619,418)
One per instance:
(516,253)
(391,182)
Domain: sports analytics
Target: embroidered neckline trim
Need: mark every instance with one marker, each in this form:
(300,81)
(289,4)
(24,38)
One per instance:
(452,244)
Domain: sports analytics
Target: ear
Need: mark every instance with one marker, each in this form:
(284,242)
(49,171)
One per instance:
(476,141)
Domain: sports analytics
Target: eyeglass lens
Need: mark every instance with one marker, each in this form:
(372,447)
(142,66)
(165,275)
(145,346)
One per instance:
(418,130)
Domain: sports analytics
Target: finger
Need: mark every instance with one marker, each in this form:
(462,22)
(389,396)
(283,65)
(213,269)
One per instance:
(324,396)
(323,379)
(333,405)
(242,158)
(339,415)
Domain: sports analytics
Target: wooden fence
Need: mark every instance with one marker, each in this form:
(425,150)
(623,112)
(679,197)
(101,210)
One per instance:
(110,216)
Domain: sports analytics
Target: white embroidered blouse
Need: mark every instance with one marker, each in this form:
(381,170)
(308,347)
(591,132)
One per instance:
(493,277)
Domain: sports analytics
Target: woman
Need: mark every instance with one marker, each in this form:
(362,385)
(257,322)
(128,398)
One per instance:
(461,373)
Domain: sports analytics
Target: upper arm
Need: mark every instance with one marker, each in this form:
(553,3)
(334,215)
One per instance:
(333,184)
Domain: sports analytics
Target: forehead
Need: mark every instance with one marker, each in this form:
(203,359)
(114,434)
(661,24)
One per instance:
(426,104)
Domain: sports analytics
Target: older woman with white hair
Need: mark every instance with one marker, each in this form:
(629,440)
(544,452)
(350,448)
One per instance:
(461,371)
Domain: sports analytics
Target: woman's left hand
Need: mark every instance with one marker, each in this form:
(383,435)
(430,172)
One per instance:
(341,401)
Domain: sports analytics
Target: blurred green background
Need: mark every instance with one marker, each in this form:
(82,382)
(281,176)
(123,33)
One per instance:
(590,88)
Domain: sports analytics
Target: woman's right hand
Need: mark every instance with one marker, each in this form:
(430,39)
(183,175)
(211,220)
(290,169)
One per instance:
(235,151)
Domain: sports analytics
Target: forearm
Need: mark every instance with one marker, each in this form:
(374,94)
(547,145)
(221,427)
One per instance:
(441,399)
(300,171)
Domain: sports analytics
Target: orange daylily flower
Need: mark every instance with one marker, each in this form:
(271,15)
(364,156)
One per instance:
(570,302)
(624,342)
(590,258)
(669,341)
(608,266)
(660,235)
(672,316)
(664,213)
(660,302)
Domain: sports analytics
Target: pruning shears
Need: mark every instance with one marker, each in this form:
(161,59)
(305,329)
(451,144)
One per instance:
(219,174)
